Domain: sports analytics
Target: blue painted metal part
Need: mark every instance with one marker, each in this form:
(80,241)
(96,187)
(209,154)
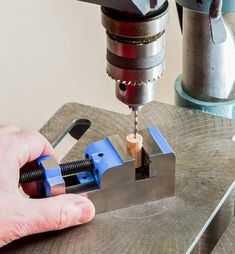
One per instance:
(224,109)
(104,157)
(228,5)
(85,178)
(160,140)
(53,175)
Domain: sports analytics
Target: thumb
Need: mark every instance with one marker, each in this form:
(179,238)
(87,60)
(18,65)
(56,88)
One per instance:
(57,213)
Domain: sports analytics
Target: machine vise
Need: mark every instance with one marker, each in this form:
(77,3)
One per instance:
(108,174)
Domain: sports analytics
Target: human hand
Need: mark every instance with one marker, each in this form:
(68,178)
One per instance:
(20,215)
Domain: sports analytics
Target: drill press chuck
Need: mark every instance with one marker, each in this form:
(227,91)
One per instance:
(135,53)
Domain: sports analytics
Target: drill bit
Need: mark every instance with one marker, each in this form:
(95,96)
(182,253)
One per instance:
(135,124)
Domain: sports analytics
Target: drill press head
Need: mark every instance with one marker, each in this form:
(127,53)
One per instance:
(135,52)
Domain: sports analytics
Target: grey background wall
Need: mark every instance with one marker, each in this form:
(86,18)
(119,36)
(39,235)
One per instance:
(53,52)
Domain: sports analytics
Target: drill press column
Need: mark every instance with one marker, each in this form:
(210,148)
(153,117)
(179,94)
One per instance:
(207,80)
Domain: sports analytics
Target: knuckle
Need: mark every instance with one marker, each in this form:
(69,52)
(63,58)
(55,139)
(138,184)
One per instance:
(62,218)
(35,135)
(38,135)
(32,133)
(28,133)
(13,127)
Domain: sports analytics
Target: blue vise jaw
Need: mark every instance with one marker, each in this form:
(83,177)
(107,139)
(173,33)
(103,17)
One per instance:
(53,182)
(113,166)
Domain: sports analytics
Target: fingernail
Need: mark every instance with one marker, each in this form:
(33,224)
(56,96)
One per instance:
(88,212)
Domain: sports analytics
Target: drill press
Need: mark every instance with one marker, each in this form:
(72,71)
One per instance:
(196,219)
(135,48)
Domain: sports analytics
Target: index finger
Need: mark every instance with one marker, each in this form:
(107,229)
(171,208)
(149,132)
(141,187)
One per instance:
(29,146)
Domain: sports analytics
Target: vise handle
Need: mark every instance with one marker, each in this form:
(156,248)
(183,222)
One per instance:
(67,169)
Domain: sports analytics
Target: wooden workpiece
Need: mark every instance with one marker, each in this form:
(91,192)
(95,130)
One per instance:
(205,170)
(134,146)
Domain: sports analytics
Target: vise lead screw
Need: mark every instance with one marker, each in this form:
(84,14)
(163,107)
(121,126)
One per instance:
(67,169)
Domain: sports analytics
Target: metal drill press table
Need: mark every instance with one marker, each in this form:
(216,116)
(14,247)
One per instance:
(205,172)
